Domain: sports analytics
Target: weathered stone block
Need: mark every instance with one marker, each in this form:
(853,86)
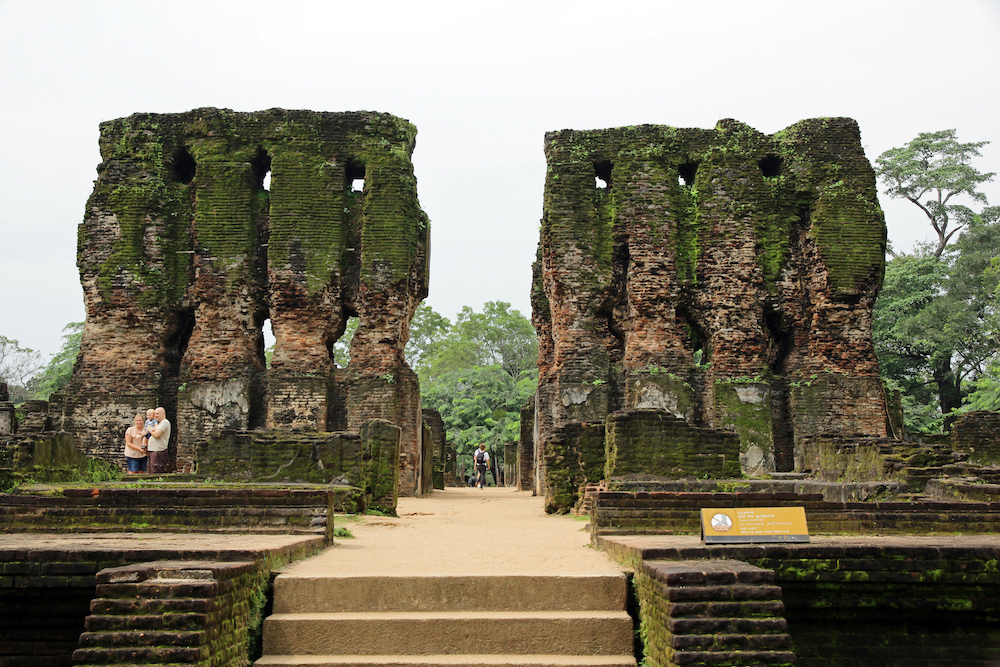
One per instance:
(653,443)
(380,452)
(745,408)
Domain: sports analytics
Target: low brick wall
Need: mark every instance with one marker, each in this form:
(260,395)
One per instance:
(963,490)
(224,509)
(655,442)
(978,434)
(625,513)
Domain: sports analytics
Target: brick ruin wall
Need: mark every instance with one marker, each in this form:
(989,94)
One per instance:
(724,276)
(183,255)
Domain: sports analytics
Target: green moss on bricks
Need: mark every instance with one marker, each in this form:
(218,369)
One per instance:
(687,230)
(850,234)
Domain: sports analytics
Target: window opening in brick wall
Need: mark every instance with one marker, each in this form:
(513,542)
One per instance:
(770,166)
(700,355)
(340,349)
(686,173)
(354,175)
(261,165)
(602,174)
(182,166)
(267,341)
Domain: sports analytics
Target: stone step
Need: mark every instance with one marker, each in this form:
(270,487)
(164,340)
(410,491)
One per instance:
(447,660)
(449,593)
(483,632)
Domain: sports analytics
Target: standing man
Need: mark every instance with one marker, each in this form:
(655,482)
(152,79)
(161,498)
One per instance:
(159,437)
(482,463)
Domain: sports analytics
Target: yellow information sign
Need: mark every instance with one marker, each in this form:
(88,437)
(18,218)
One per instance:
(753,524)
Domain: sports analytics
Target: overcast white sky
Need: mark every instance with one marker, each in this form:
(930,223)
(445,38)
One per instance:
(482,81)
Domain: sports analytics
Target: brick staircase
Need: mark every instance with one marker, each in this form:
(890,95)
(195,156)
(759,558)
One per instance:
(494,621)
(713,613)
(170,613)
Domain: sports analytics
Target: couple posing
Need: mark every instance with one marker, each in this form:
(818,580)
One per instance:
(146,442)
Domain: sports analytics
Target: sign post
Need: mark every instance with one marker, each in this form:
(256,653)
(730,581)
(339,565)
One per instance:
(721,525)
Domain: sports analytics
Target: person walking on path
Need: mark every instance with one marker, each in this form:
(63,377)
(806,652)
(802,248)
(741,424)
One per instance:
(159,438)
(482,463)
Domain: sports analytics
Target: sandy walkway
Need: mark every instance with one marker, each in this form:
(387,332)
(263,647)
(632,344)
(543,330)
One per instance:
(463,531)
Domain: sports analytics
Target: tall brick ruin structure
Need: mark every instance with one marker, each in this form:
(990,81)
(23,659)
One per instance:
(184,254)
(710,280)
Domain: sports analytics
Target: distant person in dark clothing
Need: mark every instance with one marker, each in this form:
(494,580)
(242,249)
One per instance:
(482,464)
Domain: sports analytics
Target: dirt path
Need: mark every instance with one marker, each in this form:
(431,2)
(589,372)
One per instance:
(462,531)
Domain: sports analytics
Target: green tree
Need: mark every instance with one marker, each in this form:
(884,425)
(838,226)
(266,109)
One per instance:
(931,172)
(427,330)
(56,374)
(478,373)
(497,336)
(17,366)
(932,319)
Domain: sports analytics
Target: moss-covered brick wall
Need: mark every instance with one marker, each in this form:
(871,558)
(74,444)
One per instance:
(191,607)
(675,262)
(574,455)
(882,601)
(44,456)
(380,454)
(526,448)
(183,254)
(437,436)
(650,443)
(900,605)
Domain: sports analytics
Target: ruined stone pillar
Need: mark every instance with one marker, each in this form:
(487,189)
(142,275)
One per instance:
(186,251)
(222,365)
(722,276)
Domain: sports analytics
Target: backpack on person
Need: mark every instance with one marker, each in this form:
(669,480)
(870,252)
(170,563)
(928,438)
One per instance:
(480,458)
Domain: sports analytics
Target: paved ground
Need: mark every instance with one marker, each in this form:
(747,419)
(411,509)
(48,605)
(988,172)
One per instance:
(462,530)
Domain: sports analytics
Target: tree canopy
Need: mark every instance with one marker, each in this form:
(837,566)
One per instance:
(477,373)
(17,366)
(935,323)
(931,172)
